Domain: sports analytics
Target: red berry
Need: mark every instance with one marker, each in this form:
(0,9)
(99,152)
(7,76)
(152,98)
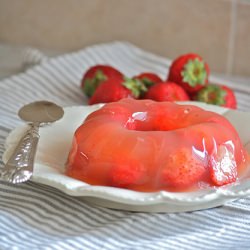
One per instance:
(189,71)
(111,90)
(148,78)
(218,95)
(230,99)
(96,75)
(182,169)
(167,91)
(125,173)
(222,166)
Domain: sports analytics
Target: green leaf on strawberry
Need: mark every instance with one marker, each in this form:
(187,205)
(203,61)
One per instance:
(212,94)
(218,95)
(96,75)
(135,86)
(91,84)
(194,72)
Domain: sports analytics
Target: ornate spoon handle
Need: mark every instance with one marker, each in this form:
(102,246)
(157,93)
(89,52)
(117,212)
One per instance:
(19,167)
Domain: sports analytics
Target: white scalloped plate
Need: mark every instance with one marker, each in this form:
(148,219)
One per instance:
(52,152)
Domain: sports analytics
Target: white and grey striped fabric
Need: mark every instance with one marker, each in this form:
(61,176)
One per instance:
(34,216)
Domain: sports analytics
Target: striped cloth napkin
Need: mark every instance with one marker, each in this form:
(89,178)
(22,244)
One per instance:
(35,216)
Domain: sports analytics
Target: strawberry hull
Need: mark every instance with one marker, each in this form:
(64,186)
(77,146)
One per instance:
(216,94)
(96,75)
(167,91)
(110,91)
(150,146)
(189,71)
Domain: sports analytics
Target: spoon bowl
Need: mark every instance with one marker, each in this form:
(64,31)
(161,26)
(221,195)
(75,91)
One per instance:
(41,112)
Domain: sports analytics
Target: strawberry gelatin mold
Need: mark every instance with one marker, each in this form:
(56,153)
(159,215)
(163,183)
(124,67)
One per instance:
(149,146)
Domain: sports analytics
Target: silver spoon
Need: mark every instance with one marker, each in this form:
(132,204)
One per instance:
(19,167)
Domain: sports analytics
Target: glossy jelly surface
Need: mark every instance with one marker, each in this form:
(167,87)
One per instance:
(149,146)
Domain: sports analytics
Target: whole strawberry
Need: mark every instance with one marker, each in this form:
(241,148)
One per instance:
(96,75)
(167,91)
(148,78)
(115,89)
(218,95)
(189,71)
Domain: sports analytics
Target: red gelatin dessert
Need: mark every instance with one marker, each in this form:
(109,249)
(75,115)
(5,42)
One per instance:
(149,146)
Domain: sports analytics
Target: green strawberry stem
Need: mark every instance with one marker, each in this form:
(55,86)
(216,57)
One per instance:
(136,86)
(147,82)
(194,72)
(91,84)
(212,94)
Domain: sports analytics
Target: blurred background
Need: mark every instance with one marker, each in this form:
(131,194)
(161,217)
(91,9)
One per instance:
(218,30)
